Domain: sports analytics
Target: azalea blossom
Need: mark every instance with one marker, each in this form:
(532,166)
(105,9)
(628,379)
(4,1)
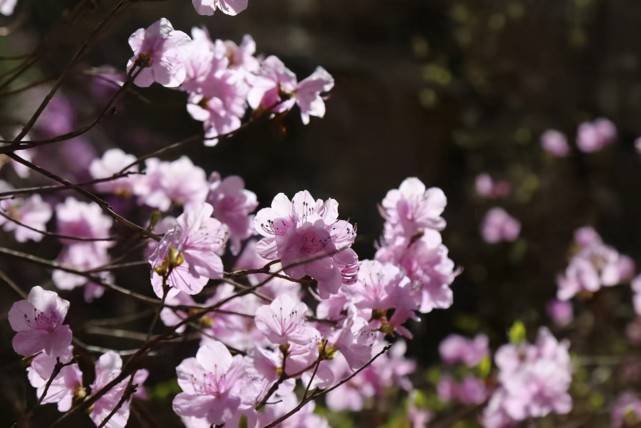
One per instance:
(594,265)
(594,136)
(32,212)
(383,288)
(283,321)
(165,183)
(626,411)
(189,253)
(411,209)
(534,381)
(390,369)
(456,349)
(427,264)
(469,391)
(488,187)
(232,206)
(157,50)
(111,163)
(83,220)
(82,256)
(220,104)
(275,87)
(228,7)
(7,7)
(555,143)
(108,367)
(560,311)
(309,239)
(38,322)
(210,384)
(66,386)
(499,226)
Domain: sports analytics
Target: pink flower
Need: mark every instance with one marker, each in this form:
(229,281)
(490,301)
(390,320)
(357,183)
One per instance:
(390,369)
(232,205)
(383,288)
(594,136)
(283,321)
(112,162)
(626,411)
(534,380)
(210,385)
(498,226)
(219,104)
(189,253)
(308,94)
(560,312)
(158,50)
(82,256)
(427,264)
(241,58)
(7,7)
(636,297)
(200,58)
(555,143)
(458,349)
(83,220)
(32,211)
(276,87)
(271,86)
(179,182)
(637,145)
(309,240)
(470,391)
(108,367)
(487,187)
(411,209)
(38,322)
(228,7)
(64,387)
(593,266)
(354,340)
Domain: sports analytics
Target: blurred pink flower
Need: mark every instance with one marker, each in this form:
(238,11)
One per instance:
(165,183)
(487,187)
(555,143)
(111,163)
(534,381)
(560,312)
(498,226)
(458,349)
(594,136)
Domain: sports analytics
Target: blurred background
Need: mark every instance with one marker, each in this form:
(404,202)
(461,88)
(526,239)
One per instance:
(442,89)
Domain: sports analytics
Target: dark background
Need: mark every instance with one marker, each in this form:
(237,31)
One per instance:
(441,90)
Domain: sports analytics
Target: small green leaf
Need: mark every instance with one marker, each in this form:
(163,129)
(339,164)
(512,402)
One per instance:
(517,333)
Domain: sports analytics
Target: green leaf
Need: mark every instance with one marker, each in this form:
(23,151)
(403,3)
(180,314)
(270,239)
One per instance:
(517,333)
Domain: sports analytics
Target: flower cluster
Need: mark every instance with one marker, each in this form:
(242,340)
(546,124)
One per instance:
(412,241)
(593,265)
(533,381)
(463,385)
(591,137)
(222,79)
